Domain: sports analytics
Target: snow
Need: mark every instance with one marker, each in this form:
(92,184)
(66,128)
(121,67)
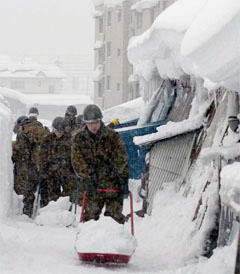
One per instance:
(98,73)
(27,69)
(6,176)
(169,130)
(144,4)
(230,189)
(110,238)
(17,95)
(125,112)
(108,3)
(56,213)
(159,47)
(60,99)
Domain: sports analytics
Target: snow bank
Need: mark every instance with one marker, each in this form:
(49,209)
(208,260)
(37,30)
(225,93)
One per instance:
(230,187)
(104,236)
(56,213)
(6,171)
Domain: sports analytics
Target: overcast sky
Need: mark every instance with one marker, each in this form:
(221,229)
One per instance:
(46,26)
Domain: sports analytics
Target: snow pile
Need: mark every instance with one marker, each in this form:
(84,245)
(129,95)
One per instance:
(230,187)
(104,236)
(56,213)
(6,171)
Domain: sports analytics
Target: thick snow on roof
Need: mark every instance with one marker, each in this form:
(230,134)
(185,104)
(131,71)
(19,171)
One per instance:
(17,95)
(169,130)
(211,44)
(60,99)
(125,112)
(198,37)
(159,47)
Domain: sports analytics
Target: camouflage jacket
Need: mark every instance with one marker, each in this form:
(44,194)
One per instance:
(102,159)
(27,145)
(55,153)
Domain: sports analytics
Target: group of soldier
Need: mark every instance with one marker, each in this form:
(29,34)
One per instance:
(79,154)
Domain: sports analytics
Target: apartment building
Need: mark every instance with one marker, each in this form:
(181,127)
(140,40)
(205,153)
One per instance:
(116,22)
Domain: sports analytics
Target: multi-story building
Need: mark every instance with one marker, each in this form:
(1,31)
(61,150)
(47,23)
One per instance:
(116,22)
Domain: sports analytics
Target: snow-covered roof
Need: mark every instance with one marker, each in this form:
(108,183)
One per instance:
(170,130)
(183,39)
(144,4)
(27,69)
(125,112)
(159,47)
(60,99)
(17,95)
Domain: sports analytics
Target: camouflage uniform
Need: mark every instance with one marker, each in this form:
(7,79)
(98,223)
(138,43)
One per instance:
(26,154)
(70,125)
(101,161)
(56,165)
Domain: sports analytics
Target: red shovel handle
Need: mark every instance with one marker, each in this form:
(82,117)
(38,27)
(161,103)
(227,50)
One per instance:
(84,203)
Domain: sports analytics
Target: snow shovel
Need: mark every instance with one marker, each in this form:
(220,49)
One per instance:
(105,258)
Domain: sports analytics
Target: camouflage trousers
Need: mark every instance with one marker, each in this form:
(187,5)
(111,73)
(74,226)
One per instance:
(60,185)
(113,207)
(20,176)
(30,187)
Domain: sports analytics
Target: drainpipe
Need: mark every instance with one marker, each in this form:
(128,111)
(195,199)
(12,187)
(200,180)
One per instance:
(233,111)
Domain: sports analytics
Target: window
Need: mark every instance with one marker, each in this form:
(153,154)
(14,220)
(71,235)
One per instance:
(119,15)
(137,90)
(109,49)
(118,86)
(39,83)
(109,18)
(108,82)
(100,89)
(118,52)
(17,84)
(51,89)
(100,25)
(139,19)
(101,55)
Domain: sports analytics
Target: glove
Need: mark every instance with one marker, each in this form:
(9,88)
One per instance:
(90,188)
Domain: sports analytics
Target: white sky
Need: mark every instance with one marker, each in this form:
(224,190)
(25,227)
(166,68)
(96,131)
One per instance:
(46,26)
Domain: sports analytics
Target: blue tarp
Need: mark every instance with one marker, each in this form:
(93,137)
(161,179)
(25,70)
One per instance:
(136,154)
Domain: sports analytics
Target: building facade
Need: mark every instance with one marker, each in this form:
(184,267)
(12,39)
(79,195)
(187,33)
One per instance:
(30,77)
(115,24)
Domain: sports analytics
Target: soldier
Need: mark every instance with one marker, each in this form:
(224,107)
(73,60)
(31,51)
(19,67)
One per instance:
(17,159)
(100,160)
(56,162)
(70,119)
(27,146)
